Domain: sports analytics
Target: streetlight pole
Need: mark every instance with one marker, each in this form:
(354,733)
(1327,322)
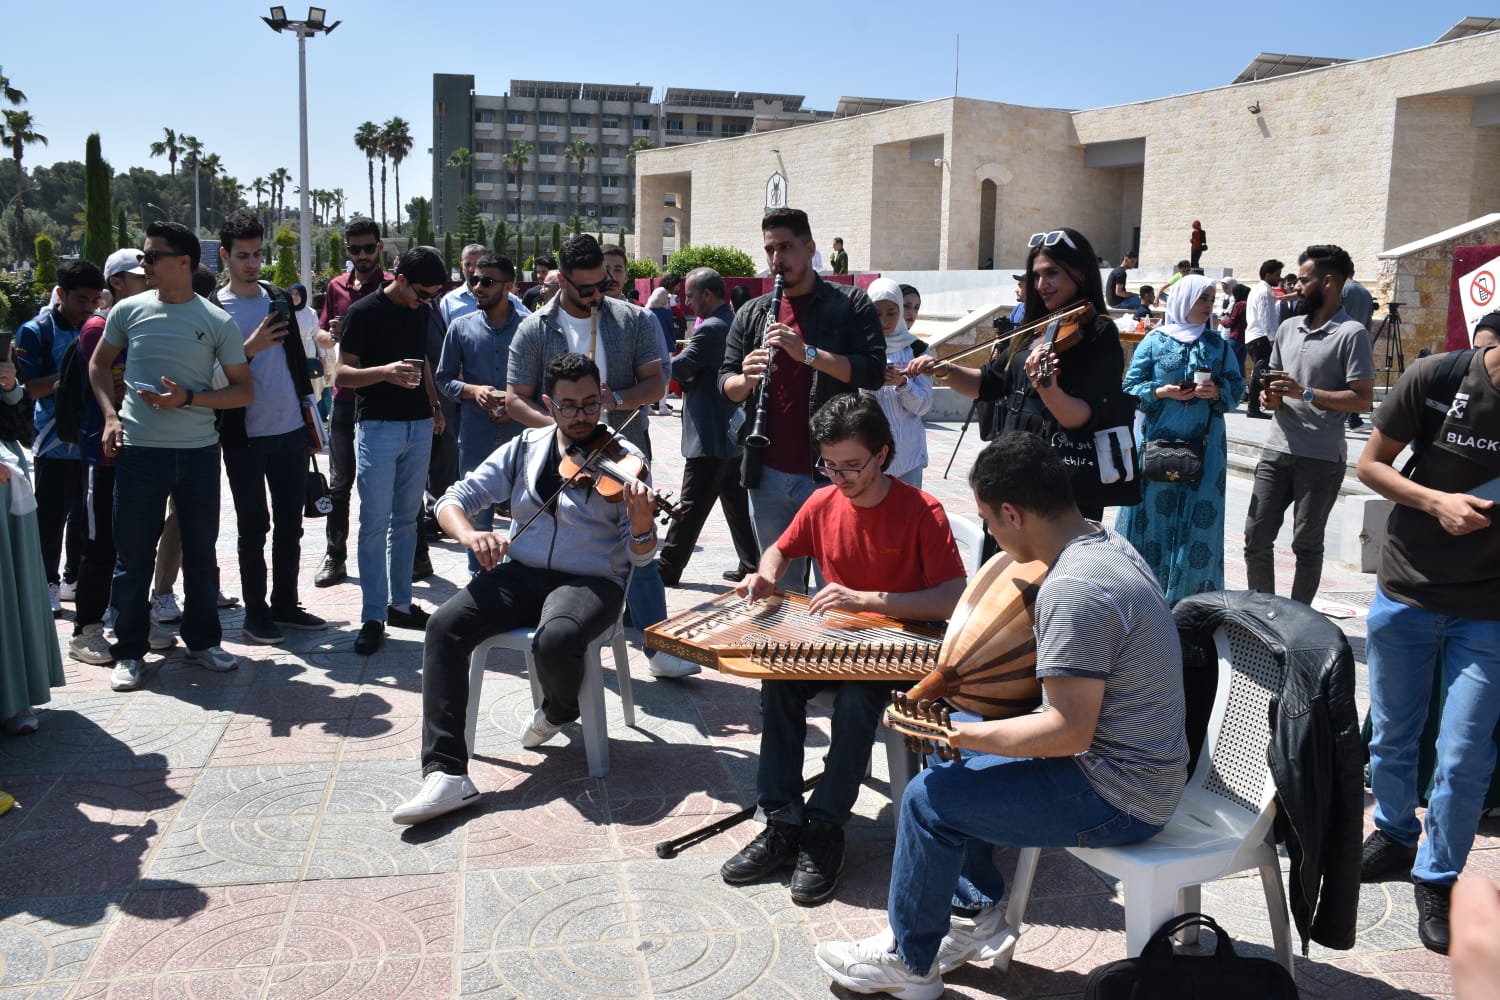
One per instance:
(314,24)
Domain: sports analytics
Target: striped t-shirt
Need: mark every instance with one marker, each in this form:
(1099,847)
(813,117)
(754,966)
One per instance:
(1101,613)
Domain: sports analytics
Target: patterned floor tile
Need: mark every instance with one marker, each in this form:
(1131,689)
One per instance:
(247,849)
(232,984)
(386,979)
(344,920)
(112,798)
(196,930)
(50,940)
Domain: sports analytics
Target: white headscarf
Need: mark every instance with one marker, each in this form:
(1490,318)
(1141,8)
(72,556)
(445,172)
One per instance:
(659,299)
(886,290)
(1184,295)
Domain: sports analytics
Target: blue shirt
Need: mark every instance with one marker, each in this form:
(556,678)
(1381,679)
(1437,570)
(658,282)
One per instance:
(461,301)
(35,360)
(476,353)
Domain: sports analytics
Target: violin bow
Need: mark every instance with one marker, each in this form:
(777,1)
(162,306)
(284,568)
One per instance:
(609,439)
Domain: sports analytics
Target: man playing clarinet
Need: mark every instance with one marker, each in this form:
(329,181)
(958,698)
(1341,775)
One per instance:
(885,547)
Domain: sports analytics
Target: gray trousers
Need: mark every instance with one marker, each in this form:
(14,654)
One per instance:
(1311,487)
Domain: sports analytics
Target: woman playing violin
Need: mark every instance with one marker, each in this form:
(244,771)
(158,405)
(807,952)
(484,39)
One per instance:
(565,575)
(1071,384)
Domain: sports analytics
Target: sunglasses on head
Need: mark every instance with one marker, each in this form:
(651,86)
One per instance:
(152,256)
(484,280)
(361,249)
(1051,239)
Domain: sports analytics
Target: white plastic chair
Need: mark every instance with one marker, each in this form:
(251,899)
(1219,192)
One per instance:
(1221,827)
(590,696)
(968,532)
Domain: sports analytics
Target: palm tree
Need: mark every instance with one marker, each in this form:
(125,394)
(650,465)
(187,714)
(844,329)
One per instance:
(279,178)
(10,94)
(461,158)
(396,140)
(338,197)
(19,131)
(212,166)
(367,138)
(170,147)
(578,151)
(193,157)
(231,192)
(260,187)
(520,152)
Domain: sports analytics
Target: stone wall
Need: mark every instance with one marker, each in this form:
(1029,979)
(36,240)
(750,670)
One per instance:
(1422,282)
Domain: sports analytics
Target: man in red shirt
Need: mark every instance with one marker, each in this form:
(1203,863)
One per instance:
(363,244)
(884,547)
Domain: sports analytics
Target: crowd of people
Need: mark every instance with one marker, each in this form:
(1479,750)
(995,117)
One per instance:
(454,412)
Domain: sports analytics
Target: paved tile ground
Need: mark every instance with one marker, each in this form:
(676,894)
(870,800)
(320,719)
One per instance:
(228,835)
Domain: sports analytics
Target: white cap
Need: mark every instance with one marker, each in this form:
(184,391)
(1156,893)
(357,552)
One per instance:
(126,261)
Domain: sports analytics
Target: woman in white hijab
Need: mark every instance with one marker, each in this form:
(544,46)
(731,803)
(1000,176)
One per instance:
(1186,379)
(903,400)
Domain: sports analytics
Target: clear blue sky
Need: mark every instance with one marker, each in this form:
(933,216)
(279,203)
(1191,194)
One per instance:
(213,70)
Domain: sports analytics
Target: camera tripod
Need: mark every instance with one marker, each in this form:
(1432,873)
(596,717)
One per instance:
(1390,329)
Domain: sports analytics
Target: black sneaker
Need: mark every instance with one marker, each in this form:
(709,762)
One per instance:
(1382,857)
(421,569)
(416,618)
(371,637)
(1432,915)
(734,575)
(296,618)
(819,863)
(775,848)
(260,628)
(330,573)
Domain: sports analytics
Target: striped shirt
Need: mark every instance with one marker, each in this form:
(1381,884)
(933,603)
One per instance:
(1101,613)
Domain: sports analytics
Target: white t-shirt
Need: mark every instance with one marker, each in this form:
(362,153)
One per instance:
(578,334)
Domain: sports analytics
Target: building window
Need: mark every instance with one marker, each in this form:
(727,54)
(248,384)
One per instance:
(546,179)
(580,121)
(484,117)
(484,177)
(546,148)
(547,118)
(669,227)
(643,124)
(609,182)
(674,124)
(706,128)
(611,211)
(609,123)
(515,118)
(669,201)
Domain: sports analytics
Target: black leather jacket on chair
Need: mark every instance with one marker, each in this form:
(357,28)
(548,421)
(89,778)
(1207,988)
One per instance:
(1315,754)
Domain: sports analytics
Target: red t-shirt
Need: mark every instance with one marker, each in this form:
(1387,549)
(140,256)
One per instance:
(901,545)
(787,418)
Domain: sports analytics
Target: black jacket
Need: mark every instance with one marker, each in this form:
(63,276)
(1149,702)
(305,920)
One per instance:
(841,320)
(232,422)
(1314,755)
(705,412)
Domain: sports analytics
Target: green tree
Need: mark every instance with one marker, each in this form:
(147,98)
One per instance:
(285,272)
(536,246)
(449,257)
(728,261)
(8,93)
(556,237)
(501,239)
(520,253)
(480,236)
(641,267)
(396,140)
(46,265)
(367,139)
(335,250)
(462,158)
(170,147)
(96,234)
(468,218)
(578,151)
(122,229)
(18,130)
(520,152)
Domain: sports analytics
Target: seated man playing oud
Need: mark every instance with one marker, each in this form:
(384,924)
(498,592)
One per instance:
(884,547)
(1102,764)
(565,575)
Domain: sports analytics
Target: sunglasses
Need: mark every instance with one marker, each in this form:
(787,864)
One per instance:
(152,256)
(1051,239)
(484,281)
(421,295)
(361,249)
(584,291)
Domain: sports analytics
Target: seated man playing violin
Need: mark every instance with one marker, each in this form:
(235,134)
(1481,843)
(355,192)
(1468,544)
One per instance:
(565,574)
(1102,763)
(884,547)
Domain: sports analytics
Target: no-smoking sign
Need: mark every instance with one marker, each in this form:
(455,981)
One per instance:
(1482,290)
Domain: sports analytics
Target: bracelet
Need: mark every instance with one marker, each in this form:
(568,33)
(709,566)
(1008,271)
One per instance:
(645,536)
(189,401)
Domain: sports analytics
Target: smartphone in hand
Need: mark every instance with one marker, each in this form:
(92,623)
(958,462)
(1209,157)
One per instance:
(282,310)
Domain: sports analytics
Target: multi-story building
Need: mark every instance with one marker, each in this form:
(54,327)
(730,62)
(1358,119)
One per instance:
(614,119)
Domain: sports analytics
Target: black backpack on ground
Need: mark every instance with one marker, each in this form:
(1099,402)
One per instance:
(1161,974)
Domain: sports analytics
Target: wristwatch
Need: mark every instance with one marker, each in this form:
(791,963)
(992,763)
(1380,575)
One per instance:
(644,536)
(809,354)
(1307,394)
(618,401)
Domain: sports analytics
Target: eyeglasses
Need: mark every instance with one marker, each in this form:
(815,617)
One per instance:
(843,475)
(423,296)
(570,411)
(584,291)
(485,281)
(1051,239)
(361,249)
(152,256)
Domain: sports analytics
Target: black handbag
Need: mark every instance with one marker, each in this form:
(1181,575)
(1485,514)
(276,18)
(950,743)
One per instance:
(318,497)
(1173,461)
(1159,972)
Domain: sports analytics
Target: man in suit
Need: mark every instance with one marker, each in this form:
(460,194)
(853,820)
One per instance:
(710,454)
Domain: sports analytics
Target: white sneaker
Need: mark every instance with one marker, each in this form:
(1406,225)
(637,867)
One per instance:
(226,601)
(667,665)
(90,646)
(441,793)
(159,638)
(871,966)
(53,599)
(540,731)
(164,609)
(985,938)
(126,676)
(213,658)
(67,591)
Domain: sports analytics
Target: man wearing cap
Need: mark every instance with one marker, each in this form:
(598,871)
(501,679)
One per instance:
(165,444)
(383,358)
(1018,314)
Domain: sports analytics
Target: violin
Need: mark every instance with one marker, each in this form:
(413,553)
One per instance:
(602,463)
(1064,333)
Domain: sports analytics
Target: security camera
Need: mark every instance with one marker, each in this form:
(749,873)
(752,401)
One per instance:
(1254,109)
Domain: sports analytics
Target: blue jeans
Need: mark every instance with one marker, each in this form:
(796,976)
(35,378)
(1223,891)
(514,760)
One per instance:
(390,459)
(1128,302)
(773,504)
(277,463)
(856,712)
(952,815)
(144,478)
(646,598)
(1405,646)
(470,457)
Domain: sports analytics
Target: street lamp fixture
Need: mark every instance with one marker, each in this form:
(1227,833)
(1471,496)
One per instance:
(316,23)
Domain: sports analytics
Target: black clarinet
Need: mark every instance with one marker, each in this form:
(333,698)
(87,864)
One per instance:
(757,437)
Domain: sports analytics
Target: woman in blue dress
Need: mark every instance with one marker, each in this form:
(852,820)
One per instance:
(1178,527)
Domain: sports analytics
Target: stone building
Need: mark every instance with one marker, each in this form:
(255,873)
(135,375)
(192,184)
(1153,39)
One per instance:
(1370,154)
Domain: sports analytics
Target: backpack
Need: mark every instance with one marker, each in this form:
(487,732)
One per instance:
(1450,375)
(69,396)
